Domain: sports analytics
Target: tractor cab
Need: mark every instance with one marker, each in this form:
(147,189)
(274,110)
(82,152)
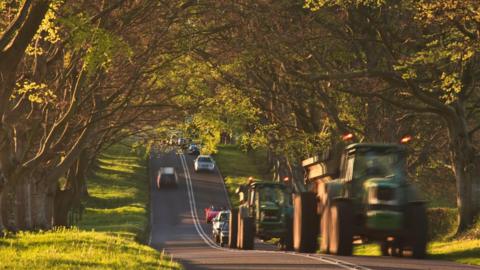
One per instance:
(368,165)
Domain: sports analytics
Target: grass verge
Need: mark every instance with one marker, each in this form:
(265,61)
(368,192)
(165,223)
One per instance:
(461,251)
(236,166)
(105,238)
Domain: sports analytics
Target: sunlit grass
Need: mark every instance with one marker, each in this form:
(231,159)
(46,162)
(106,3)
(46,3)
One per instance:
(461,251)
(77,249)
(105,238)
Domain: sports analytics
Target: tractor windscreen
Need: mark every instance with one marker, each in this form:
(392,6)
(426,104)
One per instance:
(274,194)
(377,163)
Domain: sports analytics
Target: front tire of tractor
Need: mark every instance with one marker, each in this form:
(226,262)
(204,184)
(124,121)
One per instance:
(232,228)
(417,226)
(341,228)
(305,222)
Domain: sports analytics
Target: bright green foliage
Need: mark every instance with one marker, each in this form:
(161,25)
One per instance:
(36,92)
(214,107)
(315,5)
(101,46)
(48,30)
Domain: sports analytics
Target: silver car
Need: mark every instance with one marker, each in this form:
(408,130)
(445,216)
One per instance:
(220,227)
(204,163)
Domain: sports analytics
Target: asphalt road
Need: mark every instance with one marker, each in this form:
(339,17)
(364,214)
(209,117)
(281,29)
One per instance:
(178,227)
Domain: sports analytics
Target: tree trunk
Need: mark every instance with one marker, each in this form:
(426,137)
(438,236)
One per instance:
(8,208)
(50,205)
(62,205)
(2,226)
(73,192)
(466,169)
(38,198)
(21,206)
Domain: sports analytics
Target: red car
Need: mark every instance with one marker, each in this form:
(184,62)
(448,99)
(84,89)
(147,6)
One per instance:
(211,212)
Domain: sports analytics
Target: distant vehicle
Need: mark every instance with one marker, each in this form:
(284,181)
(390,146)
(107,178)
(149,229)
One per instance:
(193,149)
(211,212)
(166,177)
(204,163)
(181,141)
(220,227)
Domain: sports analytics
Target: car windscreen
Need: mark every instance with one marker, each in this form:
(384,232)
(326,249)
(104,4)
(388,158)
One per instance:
(204,159)
(223,216)
(272,194)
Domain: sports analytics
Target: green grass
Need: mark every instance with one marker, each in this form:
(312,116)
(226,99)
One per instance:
(106,238)
(237,166)
(461,251)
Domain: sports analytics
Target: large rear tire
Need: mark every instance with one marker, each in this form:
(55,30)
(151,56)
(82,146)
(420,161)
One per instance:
(248,233)
(417,226)
(325,230)
(305,222)
(341,228)
(287,241)
(232,228)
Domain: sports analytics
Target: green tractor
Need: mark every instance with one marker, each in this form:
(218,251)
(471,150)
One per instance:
(265,212)
(360,193)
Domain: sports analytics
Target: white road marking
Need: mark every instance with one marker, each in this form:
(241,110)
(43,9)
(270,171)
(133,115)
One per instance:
(210,243)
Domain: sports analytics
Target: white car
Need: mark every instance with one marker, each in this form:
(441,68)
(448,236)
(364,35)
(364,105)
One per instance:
(204,163)
(220,227)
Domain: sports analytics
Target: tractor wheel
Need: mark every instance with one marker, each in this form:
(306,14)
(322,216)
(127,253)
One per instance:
(287,241)
(305,222)
(325,225)
(248,233)
(417,226)
(232,228)
(385,248)
(341,228)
